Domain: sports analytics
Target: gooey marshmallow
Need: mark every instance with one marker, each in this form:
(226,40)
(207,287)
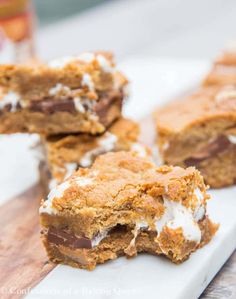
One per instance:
(58,192)
(106,144)
(11,98)
(178,216)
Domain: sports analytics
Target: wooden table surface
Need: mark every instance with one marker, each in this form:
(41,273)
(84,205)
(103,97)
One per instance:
(23,260)
(224,283)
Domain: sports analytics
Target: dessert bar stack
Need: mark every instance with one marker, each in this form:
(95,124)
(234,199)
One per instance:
(74,103)
(82,94)
(107,198)
(124,205)
(200,129)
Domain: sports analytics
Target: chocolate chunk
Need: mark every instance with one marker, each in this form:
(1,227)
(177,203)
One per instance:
(49,106)
(106,100)
(7,107)
(66,104)
(66,238)
(212,149)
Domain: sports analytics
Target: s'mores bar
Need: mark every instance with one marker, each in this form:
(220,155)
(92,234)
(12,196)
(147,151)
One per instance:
(200,130)
(65,154)
(68,95)
(223,70)
(124,205)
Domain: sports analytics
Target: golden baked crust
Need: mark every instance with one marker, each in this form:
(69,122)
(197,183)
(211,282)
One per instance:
(122,191)
(116,177)
(66,153)
(206,104)
(33,82)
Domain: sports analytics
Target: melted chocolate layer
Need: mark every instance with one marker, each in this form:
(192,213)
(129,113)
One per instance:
(65,238)
(105,103)
(66,104)
(49,106)
(69,239)
(219,145)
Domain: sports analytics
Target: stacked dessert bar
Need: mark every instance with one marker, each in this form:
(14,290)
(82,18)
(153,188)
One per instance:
(118,203)
(200,129)
(81,94)
(74,103)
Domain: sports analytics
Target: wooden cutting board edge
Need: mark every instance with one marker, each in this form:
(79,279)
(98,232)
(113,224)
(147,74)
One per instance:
(23,260)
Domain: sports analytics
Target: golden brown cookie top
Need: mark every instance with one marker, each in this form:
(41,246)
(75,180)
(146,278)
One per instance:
(124,181)
(123,128)
(206,104)
(84,75)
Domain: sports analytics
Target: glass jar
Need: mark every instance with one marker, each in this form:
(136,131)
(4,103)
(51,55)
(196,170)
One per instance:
(16,31)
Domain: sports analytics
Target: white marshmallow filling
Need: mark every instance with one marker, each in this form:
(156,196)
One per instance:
(58,192)
(82,104)
(86,57)
(176,215)
(15,102)
(105,144)
(11,99)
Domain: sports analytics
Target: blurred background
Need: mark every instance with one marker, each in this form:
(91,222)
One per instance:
(50,11)
(176,28)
